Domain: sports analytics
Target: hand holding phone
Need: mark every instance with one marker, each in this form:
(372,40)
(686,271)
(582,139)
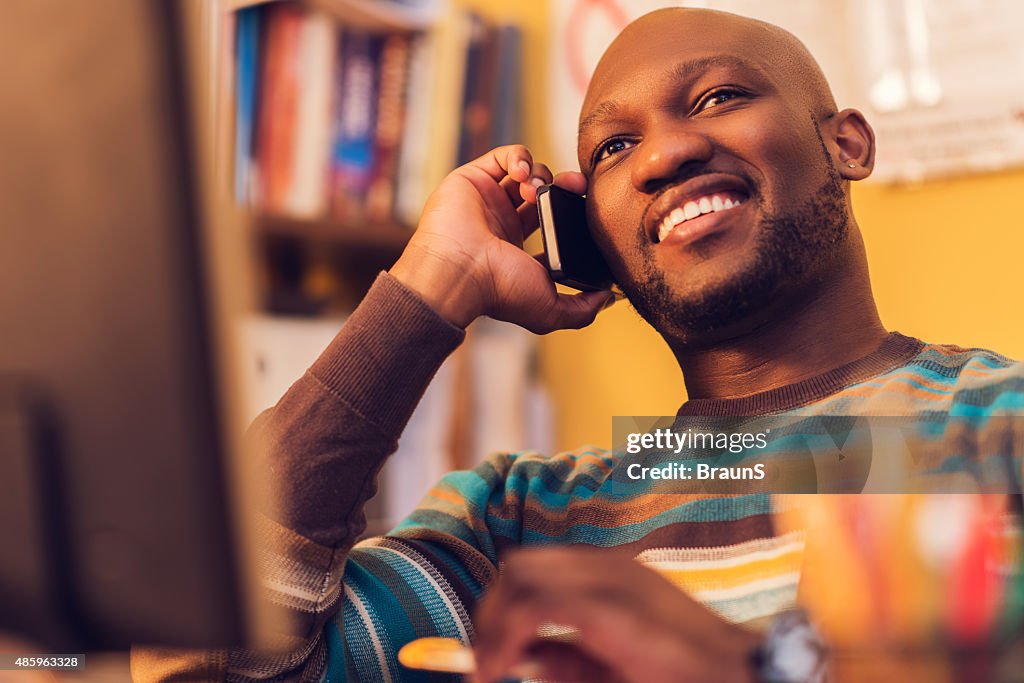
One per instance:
(570,253)
(466,258)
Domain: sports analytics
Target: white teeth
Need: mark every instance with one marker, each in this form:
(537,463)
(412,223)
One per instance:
(693,209)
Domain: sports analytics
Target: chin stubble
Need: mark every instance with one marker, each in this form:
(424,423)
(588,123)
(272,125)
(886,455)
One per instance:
(788,247)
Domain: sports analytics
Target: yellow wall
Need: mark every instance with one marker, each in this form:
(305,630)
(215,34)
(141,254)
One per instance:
(945,261)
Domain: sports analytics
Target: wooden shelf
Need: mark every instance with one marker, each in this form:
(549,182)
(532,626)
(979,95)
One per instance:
(381,15)
(388,237)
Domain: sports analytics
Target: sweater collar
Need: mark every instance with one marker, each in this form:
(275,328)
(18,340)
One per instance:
(895,350)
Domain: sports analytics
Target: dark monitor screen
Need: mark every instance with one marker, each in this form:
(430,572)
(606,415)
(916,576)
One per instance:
(113,507)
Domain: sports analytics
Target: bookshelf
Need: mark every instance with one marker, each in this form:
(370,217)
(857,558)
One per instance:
(335,118)
(386,15)
(386,237)
(293,227)
(313,260)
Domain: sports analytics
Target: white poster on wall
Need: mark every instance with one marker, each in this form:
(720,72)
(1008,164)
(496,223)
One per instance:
(941,81)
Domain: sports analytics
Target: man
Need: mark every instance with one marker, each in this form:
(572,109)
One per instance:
(717,169)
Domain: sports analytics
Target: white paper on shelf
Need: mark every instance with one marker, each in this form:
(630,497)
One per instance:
(276,351)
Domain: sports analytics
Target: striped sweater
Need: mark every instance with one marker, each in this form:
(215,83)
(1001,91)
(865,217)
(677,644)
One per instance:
(356,605)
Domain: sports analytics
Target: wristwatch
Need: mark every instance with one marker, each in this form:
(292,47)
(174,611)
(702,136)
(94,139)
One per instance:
(792,651)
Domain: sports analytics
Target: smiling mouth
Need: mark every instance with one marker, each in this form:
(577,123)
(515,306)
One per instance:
(716,202)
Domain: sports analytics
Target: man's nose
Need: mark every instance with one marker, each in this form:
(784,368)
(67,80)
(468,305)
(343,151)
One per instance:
(665,155)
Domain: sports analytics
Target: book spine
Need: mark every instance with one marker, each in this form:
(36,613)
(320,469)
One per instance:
(275,143)
(355,119)
(247,43)
(394,71)
(472,109)
(451,40)
(306,194)
(419,130)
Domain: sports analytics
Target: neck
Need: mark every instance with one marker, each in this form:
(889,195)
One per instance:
(835,325)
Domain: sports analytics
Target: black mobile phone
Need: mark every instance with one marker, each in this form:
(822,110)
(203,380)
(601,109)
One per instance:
(570,254)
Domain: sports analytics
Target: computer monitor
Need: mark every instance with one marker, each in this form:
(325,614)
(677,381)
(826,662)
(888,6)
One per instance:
(115,520)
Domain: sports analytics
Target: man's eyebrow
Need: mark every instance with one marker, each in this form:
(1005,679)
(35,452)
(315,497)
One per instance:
(683,71)
(608,109)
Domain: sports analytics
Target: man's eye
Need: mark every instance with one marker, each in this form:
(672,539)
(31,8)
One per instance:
(717,97)
(611,147)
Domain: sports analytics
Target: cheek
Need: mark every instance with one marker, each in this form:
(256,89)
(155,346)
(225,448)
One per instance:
(613,216)
(783,149)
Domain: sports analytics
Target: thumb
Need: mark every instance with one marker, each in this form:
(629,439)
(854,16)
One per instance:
(570,312)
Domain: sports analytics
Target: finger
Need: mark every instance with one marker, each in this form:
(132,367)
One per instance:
(510,160)
(512,189)
(496,199)
(567,312)
(574,181)
(540,175)
(529,219)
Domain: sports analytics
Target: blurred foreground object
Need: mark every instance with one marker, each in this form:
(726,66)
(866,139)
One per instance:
(114,509)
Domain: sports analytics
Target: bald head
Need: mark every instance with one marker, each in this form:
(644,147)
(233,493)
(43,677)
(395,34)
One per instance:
(764,46)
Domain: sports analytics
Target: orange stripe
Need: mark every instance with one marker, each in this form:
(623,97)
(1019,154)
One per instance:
(730,577)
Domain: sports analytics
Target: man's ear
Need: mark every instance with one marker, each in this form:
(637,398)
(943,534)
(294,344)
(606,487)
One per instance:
(854,144)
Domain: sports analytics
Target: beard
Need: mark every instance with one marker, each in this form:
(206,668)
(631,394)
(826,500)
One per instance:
(788,247)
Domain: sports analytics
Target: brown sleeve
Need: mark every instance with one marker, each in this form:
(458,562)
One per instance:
(324,443)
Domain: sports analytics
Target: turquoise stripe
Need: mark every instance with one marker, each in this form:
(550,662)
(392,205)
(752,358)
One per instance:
(433,601)
(1012,401)
(395,601)
(364,664)
(335,670)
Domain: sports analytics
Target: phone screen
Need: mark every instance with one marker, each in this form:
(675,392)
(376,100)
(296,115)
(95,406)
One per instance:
(571,256)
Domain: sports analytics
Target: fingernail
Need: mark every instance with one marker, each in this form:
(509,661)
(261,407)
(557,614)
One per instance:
(525,166)
(536,182)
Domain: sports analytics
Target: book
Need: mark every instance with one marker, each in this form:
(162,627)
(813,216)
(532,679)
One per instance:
(394,70)
(354,124)
(247,44)
(276,122)
(480,86)
(306,191)
(419,128)
(434,139)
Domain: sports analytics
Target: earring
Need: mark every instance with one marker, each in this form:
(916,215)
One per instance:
(852,165)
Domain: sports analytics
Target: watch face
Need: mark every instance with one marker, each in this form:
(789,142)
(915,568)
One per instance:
(793,651)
